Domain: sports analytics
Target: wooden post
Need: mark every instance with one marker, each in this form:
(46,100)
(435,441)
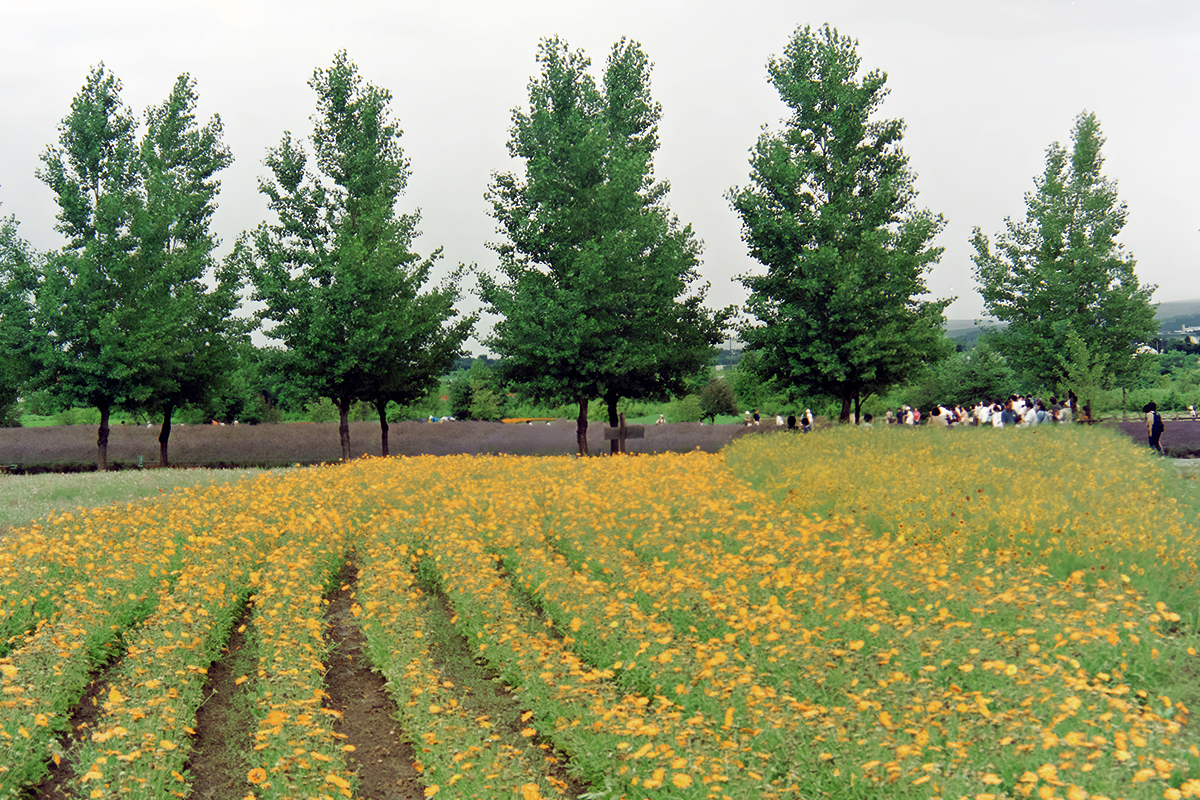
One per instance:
(622,432)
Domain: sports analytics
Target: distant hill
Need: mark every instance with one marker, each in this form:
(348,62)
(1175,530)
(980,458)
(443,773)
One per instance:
(966,332)
(1173,316)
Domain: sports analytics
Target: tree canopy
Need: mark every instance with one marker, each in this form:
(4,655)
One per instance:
(830,213)
(90,296)
(188,300)
(597,296)
(19,344)
(1062,271)
(336,272)
(129,316)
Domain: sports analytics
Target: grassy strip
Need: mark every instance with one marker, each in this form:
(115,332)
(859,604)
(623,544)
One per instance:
(26,499)
(138,748)
(461,753)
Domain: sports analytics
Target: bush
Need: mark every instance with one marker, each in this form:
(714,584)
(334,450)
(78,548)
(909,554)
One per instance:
(684,409)
(322,410)
(717,398)
(476,393)
(10,415)
(77,416)
(428,406)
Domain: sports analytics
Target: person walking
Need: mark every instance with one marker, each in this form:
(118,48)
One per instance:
(1154,426)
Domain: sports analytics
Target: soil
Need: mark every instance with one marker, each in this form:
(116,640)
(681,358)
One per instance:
(1180,437)
(382,759)
(224,724)
(56,784)
(73,447)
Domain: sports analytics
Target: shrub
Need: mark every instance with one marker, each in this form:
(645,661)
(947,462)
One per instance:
(321,410)
(717,397)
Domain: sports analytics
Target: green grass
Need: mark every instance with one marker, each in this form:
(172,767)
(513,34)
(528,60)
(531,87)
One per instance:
(25,498)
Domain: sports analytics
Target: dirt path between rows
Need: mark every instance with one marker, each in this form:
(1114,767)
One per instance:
(381,758)
(225,722)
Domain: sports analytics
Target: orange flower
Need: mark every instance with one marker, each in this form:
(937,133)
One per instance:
(256,775)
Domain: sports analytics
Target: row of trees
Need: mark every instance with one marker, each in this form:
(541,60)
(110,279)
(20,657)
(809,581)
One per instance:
(135,311)
(598,289)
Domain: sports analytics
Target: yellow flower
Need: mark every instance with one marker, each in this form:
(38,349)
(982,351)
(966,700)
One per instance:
(256,775)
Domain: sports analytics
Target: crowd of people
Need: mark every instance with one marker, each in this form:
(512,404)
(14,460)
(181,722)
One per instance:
(1017,410)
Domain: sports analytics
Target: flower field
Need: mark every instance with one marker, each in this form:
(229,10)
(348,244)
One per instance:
(980,614)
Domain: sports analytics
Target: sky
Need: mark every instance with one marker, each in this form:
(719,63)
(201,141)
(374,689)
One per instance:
(984,89)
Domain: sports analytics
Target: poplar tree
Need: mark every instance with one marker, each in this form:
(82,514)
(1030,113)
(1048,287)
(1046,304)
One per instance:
(596,294)
(830,214)
(189,299)
(89,300)
(126,307)
(336,272)
(1062,271)
(19,344)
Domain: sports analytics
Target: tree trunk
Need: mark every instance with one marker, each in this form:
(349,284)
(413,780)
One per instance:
(581,426)
(102,440)
(613,420)
(381,407)
(857,408)
(343,405)
(164,435)
(844,417)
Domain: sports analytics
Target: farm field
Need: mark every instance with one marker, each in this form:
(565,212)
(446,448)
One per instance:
(852,613)
(71,447)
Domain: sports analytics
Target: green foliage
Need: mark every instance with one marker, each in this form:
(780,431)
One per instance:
(1062,270)
(716,398)
(1180,364)
(100,352)
(688,408)
(336,272)
(321,410)
(422,408)
(1083,372)
(477,393)
(752,386)
(595,296)
(963,379)
(18,343)
(192,299)
(77,416)
(136,312)
(459,392)
(189,300)
(829,213)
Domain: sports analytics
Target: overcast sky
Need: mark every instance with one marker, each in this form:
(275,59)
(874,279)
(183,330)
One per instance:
(983,87)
